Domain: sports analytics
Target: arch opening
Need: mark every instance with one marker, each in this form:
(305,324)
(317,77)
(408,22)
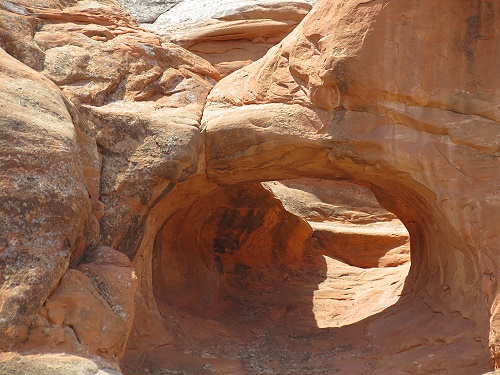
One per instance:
(275,277)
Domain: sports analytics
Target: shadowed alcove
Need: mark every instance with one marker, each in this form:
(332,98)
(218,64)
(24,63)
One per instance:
(298,276)
(245,285)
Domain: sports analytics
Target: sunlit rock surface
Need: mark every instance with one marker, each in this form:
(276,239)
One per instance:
(139,237)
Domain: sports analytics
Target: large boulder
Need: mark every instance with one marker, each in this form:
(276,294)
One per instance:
(45,210)
(91,311)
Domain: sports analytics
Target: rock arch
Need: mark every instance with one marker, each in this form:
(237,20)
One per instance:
(367,96)
(362,91)
(354,103)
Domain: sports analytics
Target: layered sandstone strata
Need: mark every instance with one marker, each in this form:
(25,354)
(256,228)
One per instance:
(347,221)
(230,34)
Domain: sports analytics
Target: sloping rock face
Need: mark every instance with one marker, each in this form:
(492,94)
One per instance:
(370,96)
(347,221)
(319,200)
(120,180)
(148,11)
(229,33)
(76,154)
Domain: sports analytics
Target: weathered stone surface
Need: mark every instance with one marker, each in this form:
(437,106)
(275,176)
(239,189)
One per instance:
(193,11)
(220,235)
(113,73)
(91,311)
(241,285)
(53,364)
(44,204)
(230,34)
(361,91)
(352,98)
(360,67)
(16,30)
(347,220)
(319,200)
(142,100)
(153,152)
(148,11)
(371,245)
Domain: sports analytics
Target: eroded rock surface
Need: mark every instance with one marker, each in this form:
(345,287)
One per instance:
(92,309)
(347,220)
(230,34)
(133,217)
(77,154)
(352,98)
(53,364)
(242,286)
(45,210)
(141,98)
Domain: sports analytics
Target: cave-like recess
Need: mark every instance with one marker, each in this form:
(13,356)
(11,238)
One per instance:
(236,281)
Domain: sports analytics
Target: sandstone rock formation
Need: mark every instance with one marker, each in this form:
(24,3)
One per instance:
(96,297)
(226,232)
(372,97)
(45,208)
(137,235)
(230,33)
(237,279)
(347,221)
(78,153)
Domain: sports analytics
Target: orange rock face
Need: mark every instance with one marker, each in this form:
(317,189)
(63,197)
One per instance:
(144,229)
(230,34)
(242,282)
(222,234)
(370,96)
(72,158)
(42,189)
(92,309)
(347,221)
